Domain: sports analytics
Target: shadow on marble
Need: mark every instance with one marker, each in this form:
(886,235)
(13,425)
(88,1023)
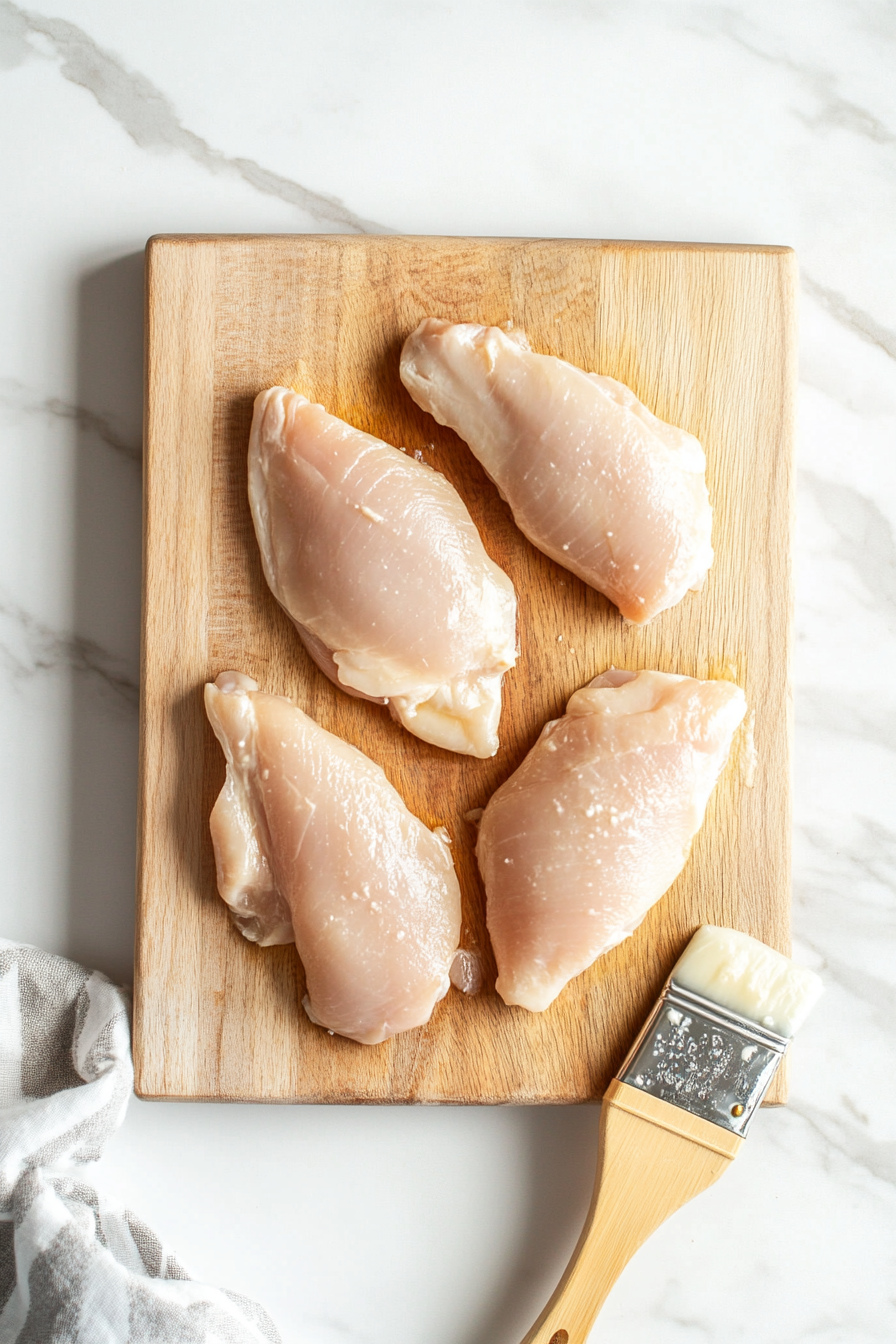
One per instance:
(561,1148)
(105,578)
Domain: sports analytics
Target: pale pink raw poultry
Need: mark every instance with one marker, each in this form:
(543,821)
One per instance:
(312,843)
(377,561)
(593,479)
(597,822)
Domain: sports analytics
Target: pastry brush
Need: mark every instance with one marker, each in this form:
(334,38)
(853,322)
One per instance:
(680,1107)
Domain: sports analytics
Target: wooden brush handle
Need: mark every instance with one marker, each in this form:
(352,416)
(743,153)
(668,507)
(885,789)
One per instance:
(653,1158)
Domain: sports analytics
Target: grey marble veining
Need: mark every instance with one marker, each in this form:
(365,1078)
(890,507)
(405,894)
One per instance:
(34,648)
(147,115)
(862,323)
(15,396)
(833,111)
(762,122)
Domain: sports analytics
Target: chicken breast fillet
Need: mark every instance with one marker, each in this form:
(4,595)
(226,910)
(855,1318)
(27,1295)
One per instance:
(312,843)
(377,561)
(592,477)
(597,822)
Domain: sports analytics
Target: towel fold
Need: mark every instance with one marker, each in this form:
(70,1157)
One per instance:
(75,1268)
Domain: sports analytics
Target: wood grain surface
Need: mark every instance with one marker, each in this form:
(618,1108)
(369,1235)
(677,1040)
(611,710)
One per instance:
(705,337)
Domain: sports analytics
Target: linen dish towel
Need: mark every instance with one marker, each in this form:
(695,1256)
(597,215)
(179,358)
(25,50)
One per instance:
(74,1268)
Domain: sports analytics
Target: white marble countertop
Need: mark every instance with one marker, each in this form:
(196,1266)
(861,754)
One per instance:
(761,122)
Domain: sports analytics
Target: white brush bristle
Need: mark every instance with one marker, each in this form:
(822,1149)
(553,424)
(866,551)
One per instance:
(740,973)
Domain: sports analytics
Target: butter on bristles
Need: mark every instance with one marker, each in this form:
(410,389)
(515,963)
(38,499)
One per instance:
(678,1110)
(744,975)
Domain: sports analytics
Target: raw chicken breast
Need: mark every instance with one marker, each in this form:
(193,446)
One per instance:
(313,843)
(597,822)
(377,561)
(592,477)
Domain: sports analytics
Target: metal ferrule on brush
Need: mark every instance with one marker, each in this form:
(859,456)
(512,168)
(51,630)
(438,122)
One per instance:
(706,1059)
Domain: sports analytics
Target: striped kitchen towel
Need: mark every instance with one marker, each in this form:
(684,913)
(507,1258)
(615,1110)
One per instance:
(74,1268)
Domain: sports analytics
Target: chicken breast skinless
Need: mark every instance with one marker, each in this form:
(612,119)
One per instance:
(313,844)
(592,478)
(378,563)
(595,825)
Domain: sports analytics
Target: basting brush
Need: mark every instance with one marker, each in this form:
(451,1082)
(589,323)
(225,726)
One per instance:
(678,1111)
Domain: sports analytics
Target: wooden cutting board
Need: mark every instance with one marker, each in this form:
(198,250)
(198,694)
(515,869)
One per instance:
(705,337)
